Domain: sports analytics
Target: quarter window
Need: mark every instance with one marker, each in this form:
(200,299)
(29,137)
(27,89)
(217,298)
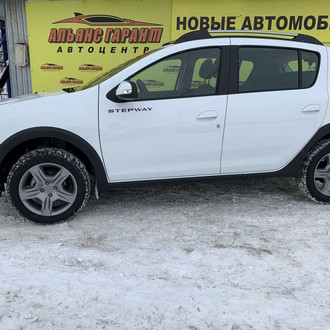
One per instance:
(309,66)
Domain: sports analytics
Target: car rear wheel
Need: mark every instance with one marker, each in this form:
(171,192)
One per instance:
(48,185)
(314,179)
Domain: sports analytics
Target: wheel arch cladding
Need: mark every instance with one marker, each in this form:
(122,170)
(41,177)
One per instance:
(20,143)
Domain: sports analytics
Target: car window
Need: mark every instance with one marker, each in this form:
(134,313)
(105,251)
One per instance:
(99,79)
(198,80)
(267,69)
(161,77)
(310,65)
(245,69)
(191,73)
(271,69)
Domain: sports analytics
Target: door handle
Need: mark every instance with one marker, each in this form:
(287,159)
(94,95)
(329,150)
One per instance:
(312,108)
(211,114)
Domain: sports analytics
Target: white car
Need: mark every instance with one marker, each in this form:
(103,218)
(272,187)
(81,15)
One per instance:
(203,107)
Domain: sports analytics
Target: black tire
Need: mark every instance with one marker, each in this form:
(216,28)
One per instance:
(48,185)
(314,178)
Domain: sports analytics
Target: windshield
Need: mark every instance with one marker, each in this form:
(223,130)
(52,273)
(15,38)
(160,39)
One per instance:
(99,79)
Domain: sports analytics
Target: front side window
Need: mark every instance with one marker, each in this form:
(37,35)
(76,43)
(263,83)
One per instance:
(99,79)
(268,69)
(192,73)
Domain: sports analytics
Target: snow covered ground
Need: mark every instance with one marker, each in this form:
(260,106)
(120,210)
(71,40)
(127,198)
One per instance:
(233,255)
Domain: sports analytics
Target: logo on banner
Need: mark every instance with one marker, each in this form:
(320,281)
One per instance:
(103,20)
(108,29)
(90,67)
(71,81)
(51,67)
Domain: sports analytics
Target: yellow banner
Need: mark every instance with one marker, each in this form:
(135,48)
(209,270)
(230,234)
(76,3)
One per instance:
(71,42)
(290,16)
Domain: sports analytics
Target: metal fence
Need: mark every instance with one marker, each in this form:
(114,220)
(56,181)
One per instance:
(4,67)
(3,91)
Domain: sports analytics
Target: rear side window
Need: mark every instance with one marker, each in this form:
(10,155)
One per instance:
(268,69)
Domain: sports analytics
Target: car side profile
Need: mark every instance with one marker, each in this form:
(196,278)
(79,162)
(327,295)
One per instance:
(210,105)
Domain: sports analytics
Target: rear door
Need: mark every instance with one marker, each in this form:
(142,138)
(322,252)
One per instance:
(277,104)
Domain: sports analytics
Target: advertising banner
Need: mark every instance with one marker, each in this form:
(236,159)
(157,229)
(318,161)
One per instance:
(71,42)
(293,16)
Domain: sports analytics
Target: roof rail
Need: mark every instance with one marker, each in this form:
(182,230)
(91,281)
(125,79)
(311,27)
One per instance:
(195,35)
(204,34)
(254,32)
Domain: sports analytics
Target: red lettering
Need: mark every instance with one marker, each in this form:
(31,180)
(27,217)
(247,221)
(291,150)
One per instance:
(88,37)
(143,35)
(155,35)
(98,33)
(134,36)
(52,35)
(61,35)
(125,34)
(80,35)
(70,37)
(108,35)
(116,36)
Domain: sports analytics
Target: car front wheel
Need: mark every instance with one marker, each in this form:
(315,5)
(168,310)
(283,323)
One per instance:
(48,185)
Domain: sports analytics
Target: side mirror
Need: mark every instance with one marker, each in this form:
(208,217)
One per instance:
(127,91)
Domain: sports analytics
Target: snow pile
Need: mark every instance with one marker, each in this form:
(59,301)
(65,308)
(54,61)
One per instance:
(230,255)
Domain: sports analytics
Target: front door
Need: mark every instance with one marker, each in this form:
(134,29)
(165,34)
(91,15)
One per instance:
(175,126)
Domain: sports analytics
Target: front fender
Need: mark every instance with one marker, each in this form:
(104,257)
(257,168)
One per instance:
(22,137)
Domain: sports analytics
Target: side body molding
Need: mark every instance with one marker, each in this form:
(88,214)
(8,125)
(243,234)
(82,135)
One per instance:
(55,133)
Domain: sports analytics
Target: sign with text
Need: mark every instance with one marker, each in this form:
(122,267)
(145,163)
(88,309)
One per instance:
(294,16)
(71,42)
